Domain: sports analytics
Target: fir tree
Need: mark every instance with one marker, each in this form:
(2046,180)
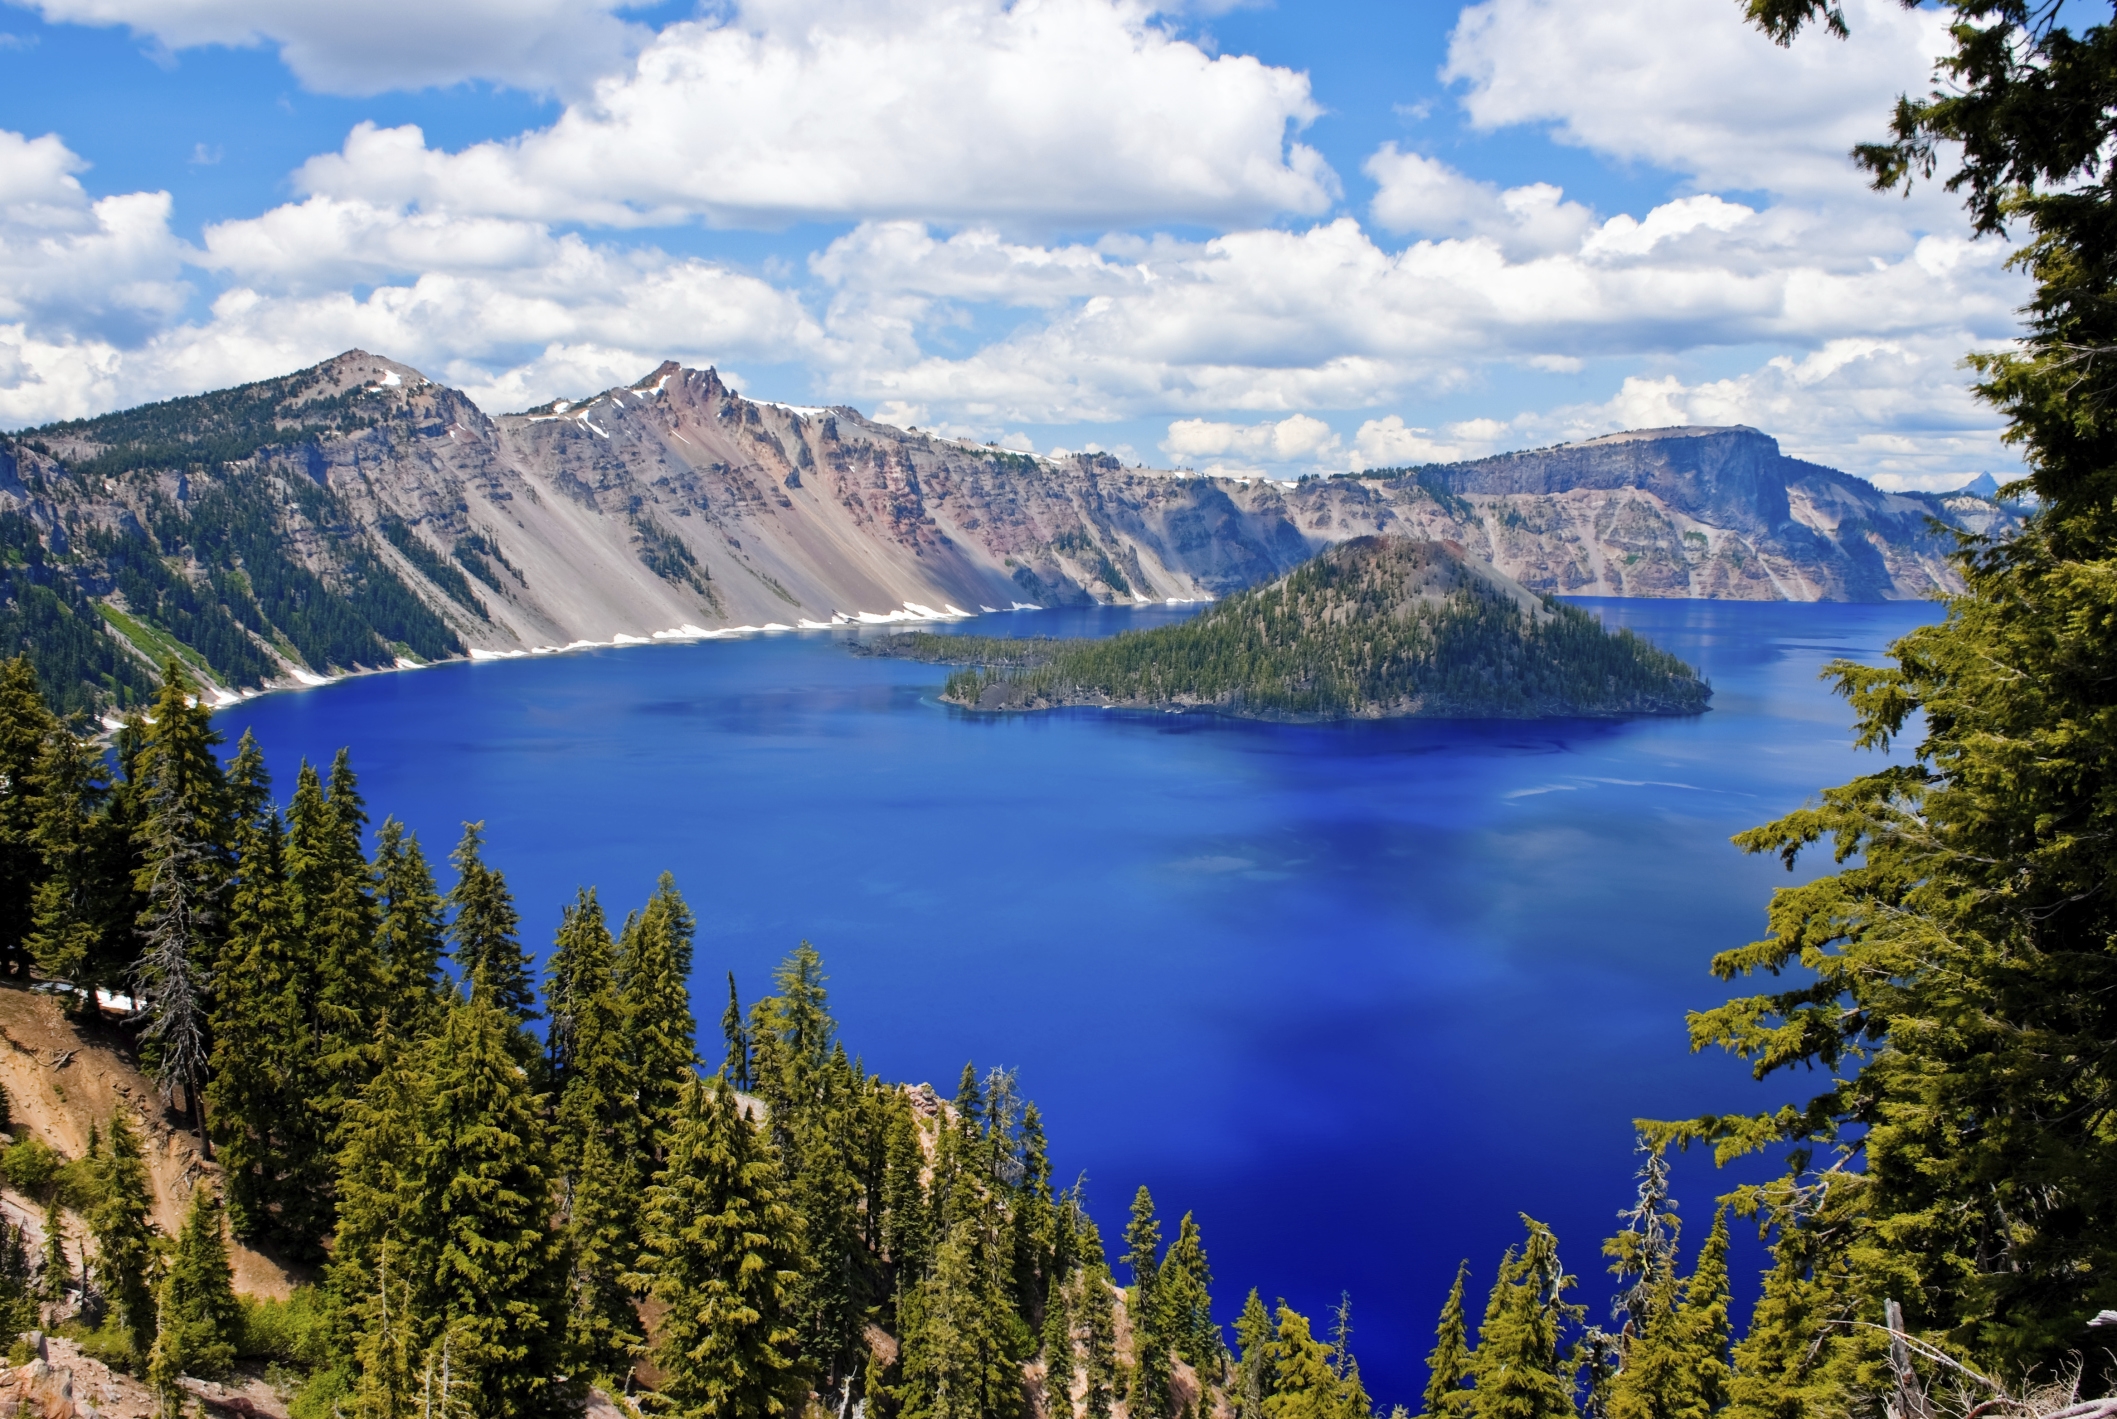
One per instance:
(489,1270)
(737,1066)
(183,842)
(1519,1369)
(722,1253)
(380,1243)
(1184,1286)
(1305,1382)
(25,727)
(1448,1365)
(1149,1389)
(74,933)
(58,1267)
(1676,1366)
(1096,1300)
(409,930)
(654,985)
(488,952)
(958,1363)
(1058,1355)
(198,1320)
(1254,1381)
(121,1219)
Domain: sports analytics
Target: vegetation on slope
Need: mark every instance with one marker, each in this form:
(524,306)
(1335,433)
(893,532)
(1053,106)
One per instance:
(1373,627)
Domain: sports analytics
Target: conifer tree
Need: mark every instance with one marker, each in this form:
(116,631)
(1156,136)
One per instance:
(1448,1365)
(958,1360)
(599,1139)
(58,1267)
(1676,1367)
(1148,1392)
(25,727)
(18,1296)
(489,1270)
(907,1223)
(331,890)
(737,1065)
(1037,1241)
(1185,1286)
(488,952)
(380,1242)
(1253,1371)
(121,1219)
(409,930)
(198,1320)
(1097,1302)
(1519,1368)
(1058,1355)
(654,985)
(184,841)
(1305,1383)
(722,1253)
(79,914)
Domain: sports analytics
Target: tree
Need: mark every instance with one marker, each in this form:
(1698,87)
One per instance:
(1253,1371)
(737,1067)
(722,1253)
(1519,1368)
(654,984)
(198,1319)
(484,931)
(488,1268)
(184,871)
(1149,1391)
(409,931)
(25,725)
(382,1244)
(1306,1384)
(121,1219)
(1448,1364)
(1955,977)
(81,928)
(1676,1364)
(1058,1355)
(1184,1284)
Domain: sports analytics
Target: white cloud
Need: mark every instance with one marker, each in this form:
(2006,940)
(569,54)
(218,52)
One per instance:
(1427,197)
(379,45)
(1030,114)
(1222,447)
(1390,443)
(1688,86)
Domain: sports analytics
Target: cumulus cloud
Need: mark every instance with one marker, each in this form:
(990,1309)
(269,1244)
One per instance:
(1228,448)
(1030,114)
(1425,196)
(389,44)
(1690,88)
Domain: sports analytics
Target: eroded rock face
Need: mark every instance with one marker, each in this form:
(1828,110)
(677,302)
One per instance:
(675,502)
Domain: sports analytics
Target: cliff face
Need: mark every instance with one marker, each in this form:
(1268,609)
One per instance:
(355,513)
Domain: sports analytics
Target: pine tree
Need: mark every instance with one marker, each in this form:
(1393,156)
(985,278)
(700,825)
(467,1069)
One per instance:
(722,1253)
(1185,1291)
(1519,1369)
(958,1359)
(1448,1366)
(197,1316)
(409,930)
(75,926)
(599,1137)
(489,1270)
(121,1219)
(1058,1355)
(1305,1384)
(488,952)
(737,1066)
(1676,1367)
(380,1241)
(331,890)
(1037,1241)
(184,842)
(1149,1389)
(1254,1379)
(58,1267)
(25,726)
(1097,1303)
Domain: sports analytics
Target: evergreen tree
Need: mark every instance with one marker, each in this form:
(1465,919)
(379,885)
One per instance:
(489,1270)
(121,1219)
(409,930)
(958,1360)
(1058,1355)
(722,1251)
(599,1138)
(1305,1382)
(81,928)
(183,841)
(18,1293)
(58,1267)
(1184,1286)
(1448,1365)
(654,983)
(331,890)
(737,1066)
(488,952)
(1519,1368)
(1148,1392)
(1801,1355)
(381,1243)
(25,727)
(1096,1301)
(1253,1372)
(198,1320)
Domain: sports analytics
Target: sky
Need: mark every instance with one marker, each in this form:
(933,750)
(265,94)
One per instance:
(1283,238)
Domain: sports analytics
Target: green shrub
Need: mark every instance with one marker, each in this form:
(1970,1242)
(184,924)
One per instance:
(31,1166)
(296,1331)
(319,1398)
(110,1342)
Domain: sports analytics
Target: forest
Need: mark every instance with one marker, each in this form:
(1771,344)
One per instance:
(1369,628)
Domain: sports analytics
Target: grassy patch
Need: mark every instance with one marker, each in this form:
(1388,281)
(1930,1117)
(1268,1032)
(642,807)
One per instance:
(156,645)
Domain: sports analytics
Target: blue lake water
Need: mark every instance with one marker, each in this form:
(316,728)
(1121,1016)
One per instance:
(1356,995)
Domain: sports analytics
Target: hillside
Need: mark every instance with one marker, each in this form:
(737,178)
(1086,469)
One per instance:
(1374,628)
(357,515)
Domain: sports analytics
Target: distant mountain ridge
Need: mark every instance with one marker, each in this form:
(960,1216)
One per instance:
(356,515)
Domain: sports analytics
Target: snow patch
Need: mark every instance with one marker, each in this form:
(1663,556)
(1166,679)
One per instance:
(622,639)
(1026,606)
(308,678)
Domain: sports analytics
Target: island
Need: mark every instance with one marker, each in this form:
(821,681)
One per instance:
(1373,628)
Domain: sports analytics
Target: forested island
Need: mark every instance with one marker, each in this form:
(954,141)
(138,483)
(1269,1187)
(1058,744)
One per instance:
(1373,628)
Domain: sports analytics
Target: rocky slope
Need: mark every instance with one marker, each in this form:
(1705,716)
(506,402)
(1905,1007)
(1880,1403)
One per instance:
(356,515)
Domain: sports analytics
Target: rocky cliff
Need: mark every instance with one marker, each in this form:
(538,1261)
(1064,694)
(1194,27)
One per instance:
(357,514)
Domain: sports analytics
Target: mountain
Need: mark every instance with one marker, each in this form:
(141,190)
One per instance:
(357,515)
(1374,628)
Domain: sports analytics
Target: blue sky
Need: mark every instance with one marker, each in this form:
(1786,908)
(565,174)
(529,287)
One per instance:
(1268,237)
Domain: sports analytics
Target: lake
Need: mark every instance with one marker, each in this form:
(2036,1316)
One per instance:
(1356,995)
